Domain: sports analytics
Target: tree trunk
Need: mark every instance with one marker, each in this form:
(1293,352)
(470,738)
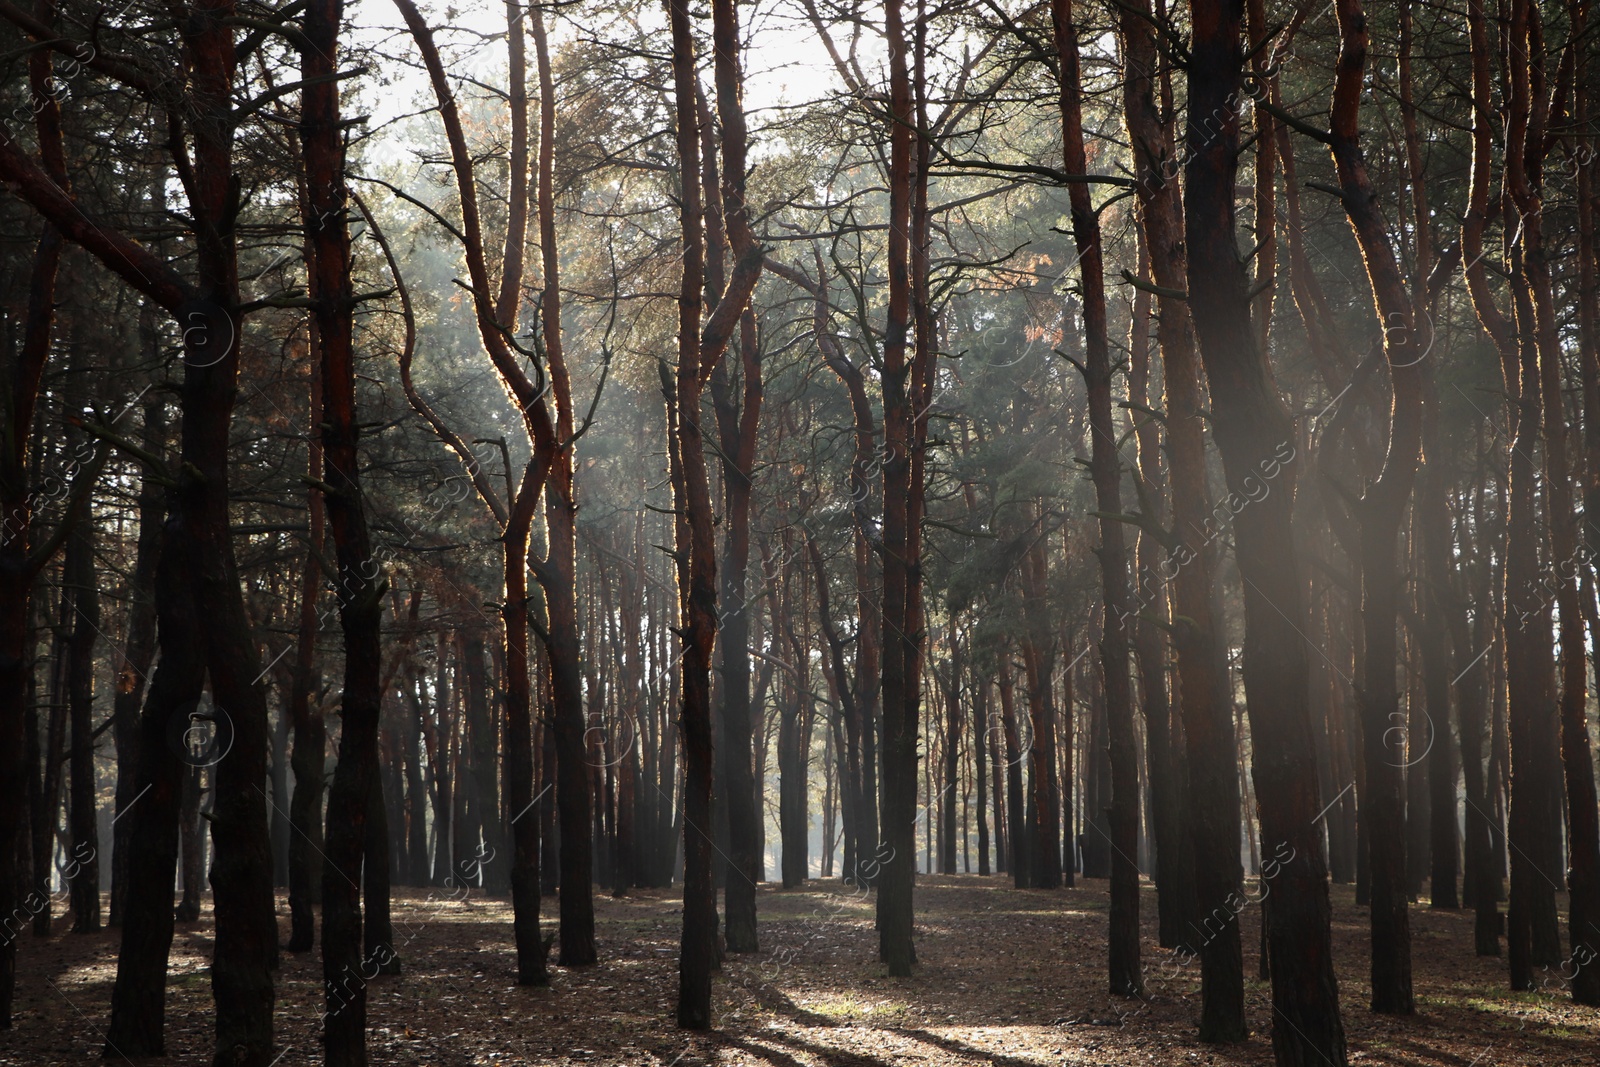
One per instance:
(699,351)
(356,829)
(245,946)
(902,490)
(191,843)
(78,574)
(495,319)
(557,573)
(1168,775)
(138,998)
(792,791)
(1204,692)
(980,766)
(950,783)
(485,784)
(737,424)
(1016,816)
(1104,464)
(137,654)
(1255,434)
(1584,155)
(1038,660)
(1381,509)
(305,712)
(17,571)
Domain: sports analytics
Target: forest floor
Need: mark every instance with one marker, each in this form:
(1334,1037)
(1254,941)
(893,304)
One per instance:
(1009,977)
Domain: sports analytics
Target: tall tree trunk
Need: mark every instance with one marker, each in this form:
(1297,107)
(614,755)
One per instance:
(1204,690)
(1381,509)
(737,423)
(46,810)
(1584,156)
(1499,329)
(980,766)
(902,491)
(1255,434)
(792,826)
(950,783)
(139,648)
(191,845)
(700,347)
(1533,937)
(17,571)
(1037,644)
(1105,467)
(241,869)
(246,942)
(1168,774)
(1432,522)
(1016,816)
(850,725)
(1567,562)
(305,710)
(138,1015)
(557,573)
(355,818)
(486,786)
(78,574)
(496,321)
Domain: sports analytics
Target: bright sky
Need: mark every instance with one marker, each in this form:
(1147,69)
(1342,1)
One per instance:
(786,62)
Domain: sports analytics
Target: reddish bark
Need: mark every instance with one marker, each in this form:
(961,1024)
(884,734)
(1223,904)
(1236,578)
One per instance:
(700,346)
(557,573)
(495,319)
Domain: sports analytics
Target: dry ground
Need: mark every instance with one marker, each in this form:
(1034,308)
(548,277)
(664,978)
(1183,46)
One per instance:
(1006,977)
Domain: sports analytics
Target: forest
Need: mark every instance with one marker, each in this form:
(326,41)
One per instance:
(799,533)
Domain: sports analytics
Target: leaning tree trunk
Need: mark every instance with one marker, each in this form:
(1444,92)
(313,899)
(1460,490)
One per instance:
(495,321)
